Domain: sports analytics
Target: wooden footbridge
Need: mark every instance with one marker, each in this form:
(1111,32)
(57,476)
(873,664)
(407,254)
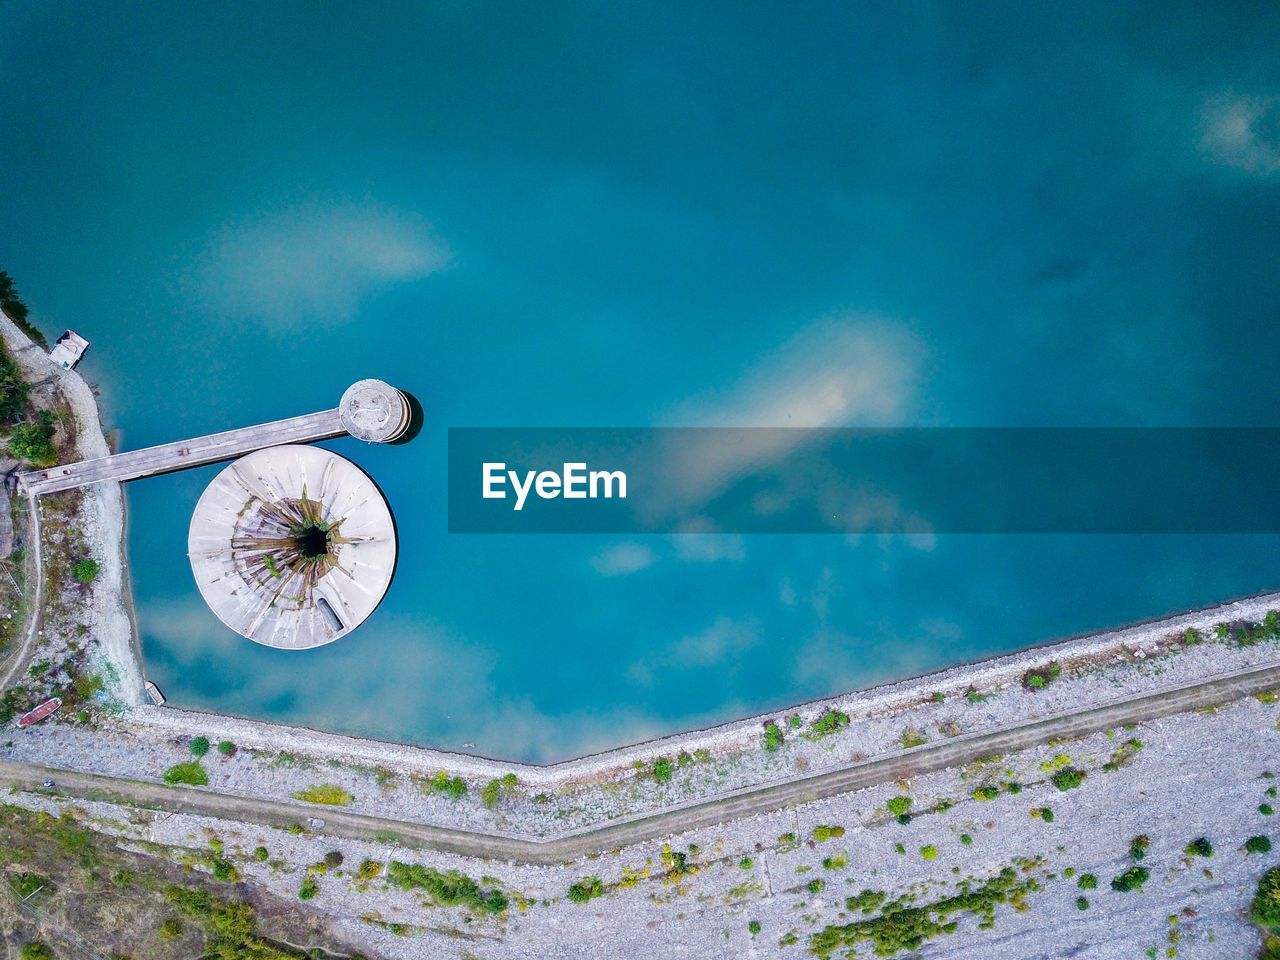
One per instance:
(370,410)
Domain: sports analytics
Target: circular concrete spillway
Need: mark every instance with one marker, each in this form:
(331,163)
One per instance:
(292,546)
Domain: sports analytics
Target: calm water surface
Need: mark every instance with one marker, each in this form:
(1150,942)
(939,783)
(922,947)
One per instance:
(601,215)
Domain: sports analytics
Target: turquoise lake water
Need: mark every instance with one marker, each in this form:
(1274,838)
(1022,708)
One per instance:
(618,215)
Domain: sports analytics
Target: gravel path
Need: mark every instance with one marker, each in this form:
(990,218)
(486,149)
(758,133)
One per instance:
(683,818)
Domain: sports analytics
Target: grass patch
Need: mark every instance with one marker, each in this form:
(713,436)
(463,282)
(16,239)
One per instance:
(327,793)
(189,772)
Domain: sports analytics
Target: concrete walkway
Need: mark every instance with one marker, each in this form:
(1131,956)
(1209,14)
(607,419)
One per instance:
(740,804)
(183,453)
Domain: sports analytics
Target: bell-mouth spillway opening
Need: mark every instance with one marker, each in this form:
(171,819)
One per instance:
(312,541)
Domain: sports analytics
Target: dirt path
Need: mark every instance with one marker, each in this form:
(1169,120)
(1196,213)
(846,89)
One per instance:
(744,803)
(18,658)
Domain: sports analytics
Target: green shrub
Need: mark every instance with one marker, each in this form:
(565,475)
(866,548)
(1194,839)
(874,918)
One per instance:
(662,769)
(1139,844)
(25,885)
(199,746)
(986,793)
(753,927)
(974,697)
(898,806)
(447,888)
(369,869)
(224,870)
(1265,809)
(494,790)
(1257,845)
(334,859)
(1044,813)
(746,863)
(226,748)
(822,832)
(33,442)
(815,886)
(1040,677)
(455,788)
(867,902)
(309,888)
(1087,881)
(170,928)
(36,951)
(1200,847)
(189,772)
(831,721)
(86,570)
(260,853)
(586,889)
(929,852)
(772,736)
(966,839)
(1131,880)
(326,793)
(1082,903)
(1068,779)
(1265,909)
(905,926)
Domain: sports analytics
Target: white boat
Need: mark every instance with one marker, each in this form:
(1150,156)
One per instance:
(70,347)
(154,693)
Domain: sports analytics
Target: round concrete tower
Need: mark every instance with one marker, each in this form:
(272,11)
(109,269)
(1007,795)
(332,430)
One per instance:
(374,411)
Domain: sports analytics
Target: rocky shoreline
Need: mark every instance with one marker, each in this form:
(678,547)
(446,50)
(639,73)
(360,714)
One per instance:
(101,519)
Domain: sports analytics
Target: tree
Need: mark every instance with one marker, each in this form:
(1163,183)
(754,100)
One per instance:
(14,389)
(33,442)
(1266,904)
(86,570)
(16,310)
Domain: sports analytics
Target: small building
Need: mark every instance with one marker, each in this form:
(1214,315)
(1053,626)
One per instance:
(70,347)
